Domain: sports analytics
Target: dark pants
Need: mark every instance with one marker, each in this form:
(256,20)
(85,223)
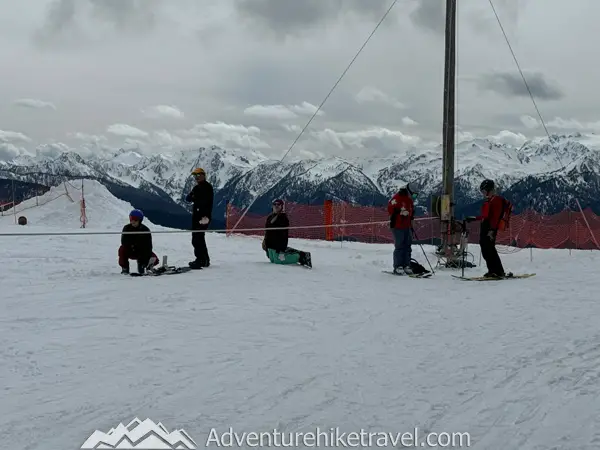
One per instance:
(199,244)
(489,252)
(402,247)
(126,253)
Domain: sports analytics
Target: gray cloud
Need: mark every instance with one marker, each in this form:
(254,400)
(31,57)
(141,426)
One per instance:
(66,19)
(300,16)
(430,15)
(107,62)
(475,15)
(125,15)
(512,84)
(34,103)
(60,15)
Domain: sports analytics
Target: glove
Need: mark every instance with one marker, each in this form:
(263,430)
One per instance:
(492,235)
(151,263)
(281,257)
(204,221)
(404,212)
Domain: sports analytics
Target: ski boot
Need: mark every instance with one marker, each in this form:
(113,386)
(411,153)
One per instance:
(493,275)
(196,265)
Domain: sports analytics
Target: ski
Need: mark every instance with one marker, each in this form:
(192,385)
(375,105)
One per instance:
(424,275)
(510,276)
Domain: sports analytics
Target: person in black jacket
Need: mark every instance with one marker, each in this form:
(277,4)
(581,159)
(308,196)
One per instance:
(136,246)
(202,195)
(275,242)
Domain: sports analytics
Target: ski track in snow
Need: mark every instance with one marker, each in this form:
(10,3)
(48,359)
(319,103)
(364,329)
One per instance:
(255,346)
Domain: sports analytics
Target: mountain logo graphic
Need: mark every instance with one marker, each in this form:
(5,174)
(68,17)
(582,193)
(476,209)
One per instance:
(146,435)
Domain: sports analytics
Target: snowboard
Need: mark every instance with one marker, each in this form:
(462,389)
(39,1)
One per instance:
(424,275)
(170,270)
(308,262)
(510,276)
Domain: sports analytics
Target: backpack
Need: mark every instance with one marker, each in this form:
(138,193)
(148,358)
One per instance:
(417,268)
(507,208)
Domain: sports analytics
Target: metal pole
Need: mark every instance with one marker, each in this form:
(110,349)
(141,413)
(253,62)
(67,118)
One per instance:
(14,201)
(449,129)
(83,217)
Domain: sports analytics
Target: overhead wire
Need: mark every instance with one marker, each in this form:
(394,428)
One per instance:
(387,12)
(537,109)
(542,121)
(179,231)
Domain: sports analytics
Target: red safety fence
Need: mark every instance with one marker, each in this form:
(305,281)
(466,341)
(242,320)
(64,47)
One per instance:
(343,221)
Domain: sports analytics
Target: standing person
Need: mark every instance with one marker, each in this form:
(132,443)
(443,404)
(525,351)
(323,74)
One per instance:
(202,196)
(401,209)
(136,246)
(275,242)
(493,213)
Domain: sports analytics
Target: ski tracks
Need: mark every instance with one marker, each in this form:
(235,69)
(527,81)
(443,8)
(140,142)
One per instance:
(257,346)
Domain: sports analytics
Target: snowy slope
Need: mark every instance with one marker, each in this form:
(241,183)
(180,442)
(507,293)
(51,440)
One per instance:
(60,207)
(255,346)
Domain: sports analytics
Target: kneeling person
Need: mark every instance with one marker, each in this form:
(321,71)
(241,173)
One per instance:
(275,242)
(136,246)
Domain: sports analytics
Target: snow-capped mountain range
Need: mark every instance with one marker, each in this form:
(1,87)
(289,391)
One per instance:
(545,174)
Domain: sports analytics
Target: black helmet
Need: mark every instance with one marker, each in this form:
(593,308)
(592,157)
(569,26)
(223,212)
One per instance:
(487,186)
(411,193)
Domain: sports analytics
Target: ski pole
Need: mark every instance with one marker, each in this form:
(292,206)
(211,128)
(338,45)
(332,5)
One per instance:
(465,236)
(423,250)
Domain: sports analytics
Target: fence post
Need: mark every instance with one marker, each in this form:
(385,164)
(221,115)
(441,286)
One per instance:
(328,218)
(227,228)
(343,222)
(530,254)
(372,224)
(570,237)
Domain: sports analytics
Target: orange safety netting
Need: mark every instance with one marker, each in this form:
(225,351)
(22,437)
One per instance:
(567,229)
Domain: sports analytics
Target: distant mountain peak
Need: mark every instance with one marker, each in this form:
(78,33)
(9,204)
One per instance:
(240,175)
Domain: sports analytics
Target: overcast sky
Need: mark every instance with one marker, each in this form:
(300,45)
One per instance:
(97,74)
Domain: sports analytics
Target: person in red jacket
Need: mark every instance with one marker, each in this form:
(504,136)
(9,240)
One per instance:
(401,209)
(492,212)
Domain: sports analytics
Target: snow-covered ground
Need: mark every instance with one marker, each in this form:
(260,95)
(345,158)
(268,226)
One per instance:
(255,346)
